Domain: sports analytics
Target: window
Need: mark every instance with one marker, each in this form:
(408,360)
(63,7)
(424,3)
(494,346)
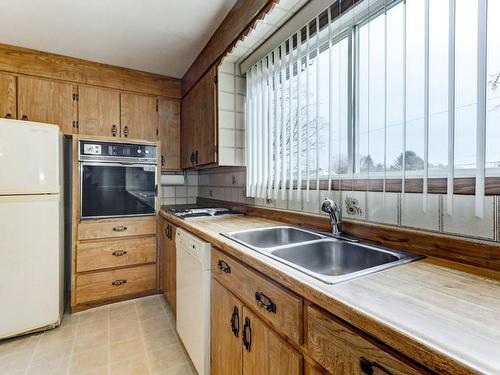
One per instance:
(391,91)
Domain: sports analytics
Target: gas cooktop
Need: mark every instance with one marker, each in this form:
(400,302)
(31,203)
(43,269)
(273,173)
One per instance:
(191,213)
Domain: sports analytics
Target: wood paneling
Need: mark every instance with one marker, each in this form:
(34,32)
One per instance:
(199,123)
(122,227)
(99,111)
(116,283)
(8,96)
(245,284)
(139,117)
(269,354)
(226,345)
(169,126)
(46,101)
(92,256)
(237,23)
(42,64)
(343,352)
(476,253)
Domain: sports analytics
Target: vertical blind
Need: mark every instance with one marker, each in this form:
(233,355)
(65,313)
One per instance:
(382,90)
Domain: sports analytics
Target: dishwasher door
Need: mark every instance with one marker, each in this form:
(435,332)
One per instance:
(193,298)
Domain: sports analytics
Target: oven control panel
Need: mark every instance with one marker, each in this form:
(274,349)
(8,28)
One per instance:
(112,151)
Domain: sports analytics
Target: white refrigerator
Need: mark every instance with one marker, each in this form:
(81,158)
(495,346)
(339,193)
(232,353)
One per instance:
(31,227)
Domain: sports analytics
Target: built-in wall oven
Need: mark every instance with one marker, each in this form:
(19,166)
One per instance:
(117,179)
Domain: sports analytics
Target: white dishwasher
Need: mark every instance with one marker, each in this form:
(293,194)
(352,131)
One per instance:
(193,298)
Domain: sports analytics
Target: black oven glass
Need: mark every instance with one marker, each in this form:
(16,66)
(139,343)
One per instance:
(116,190)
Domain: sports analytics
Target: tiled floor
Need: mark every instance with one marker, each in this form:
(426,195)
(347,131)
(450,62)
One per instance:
(133,337)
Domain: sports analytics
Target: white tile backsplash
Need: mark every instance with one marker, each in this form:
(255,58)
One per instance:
(226,82)
(413,215)
(464,222)
(227,138)
(227,119)
(382,207)
(226,101)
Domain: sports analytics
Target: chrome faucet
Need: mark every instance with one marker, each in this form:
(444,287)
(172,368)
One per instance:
(335,212)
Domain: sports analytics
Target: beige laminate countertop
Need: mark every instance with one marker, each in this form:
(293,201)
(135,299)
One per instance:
(443,318)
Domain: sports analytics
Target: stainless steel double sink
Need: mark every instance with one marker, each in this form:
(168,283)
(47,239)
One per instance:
(331,260)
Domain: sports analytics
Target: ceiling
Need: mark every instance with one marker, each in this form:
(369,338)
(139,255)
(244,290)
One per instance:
(157,36)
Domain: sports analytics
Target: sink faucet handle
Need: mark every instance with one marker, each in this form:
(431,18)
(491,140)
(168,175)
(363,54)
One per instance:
(333,209)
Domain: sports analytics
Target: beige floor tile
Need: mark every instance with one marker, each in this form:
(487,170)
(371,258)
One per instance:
(134,366)
(166,357)
(123,321)
(68,319)
(58,335)
(147,312)
(43,355)
(92,341)
(124,333)
(156,323)
(55,367)
(91,360)
(159,339)
(56,345)
(181,369)
(92,327)
(92,315)
(126,349)
(15,362)
(97,371)
(19,344)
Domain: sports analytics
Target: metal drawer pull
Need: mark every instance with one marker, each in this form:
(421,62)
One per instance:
(114,130)
(223,266)
(368,367)
(265,302)
(118,282)
(120,228)
(8,115)
(235,322)
(247,335)
(25,118)
(119,253)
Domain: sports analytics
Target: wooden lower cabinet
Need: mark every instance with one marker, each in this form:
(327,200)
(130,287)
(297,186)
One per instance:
(341,350)
(116,228)
(168,272)
(105,285)
(243,344)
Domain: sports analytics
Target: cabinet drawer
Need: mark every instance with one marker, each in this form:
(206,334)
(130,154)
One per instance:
(280,307)
(88,230)
(115,253)
(110,284)
(340,350)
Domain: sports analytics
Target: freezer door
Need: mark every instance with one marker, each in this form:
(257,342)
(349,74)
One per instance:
(30,157)
(31,266)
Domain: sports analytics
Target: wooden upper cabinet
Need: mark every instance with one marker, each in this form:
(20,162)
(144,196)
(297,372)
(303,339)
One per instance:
(199,122)
(169,126)
(99,111)
(46,101)
(264,352)
(8,96)
(139,117)
(226,325)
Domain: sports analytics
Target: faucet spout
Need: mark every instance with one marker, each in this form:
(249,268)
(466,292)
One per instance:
(335,212)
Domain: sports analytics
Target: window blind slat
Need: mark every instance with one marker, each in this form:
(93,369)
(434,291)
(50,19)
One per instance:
(290,118)
(308,89)
(481,105)
(283,121)
(248,132)
(254,133)
(260,119)
(317,106)
(426,104)
(277,128)
(299,115)
(270,129)
(451,108)
(330,101)
(265,125)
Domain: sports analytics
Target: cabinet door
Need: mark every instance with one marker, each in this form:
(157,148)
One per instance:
(226,314)
(265,352)
(99,111)
(168,267)
(162,243)
(199,125)
(169,126)
(46,101)
(139,117)
(8,96)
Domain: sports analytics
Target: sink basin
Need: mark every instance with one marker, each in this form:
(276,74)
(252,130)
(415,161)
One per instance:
(331,260)
(265,238)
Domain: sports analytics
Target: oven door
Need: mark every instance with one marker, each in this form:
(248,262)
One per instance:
(117,190)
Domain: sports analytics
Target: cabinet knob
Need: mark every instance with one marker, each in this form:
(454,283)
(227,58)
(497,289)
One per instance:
(8,115)
(125,131)
(235,322)
(196,157)
(192,157)
(368,367)
(119,253)
(265,302)
(162,161)
(113,130)
(24,117)
(120,228)
(223,266)
(247,335)
(118,282)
